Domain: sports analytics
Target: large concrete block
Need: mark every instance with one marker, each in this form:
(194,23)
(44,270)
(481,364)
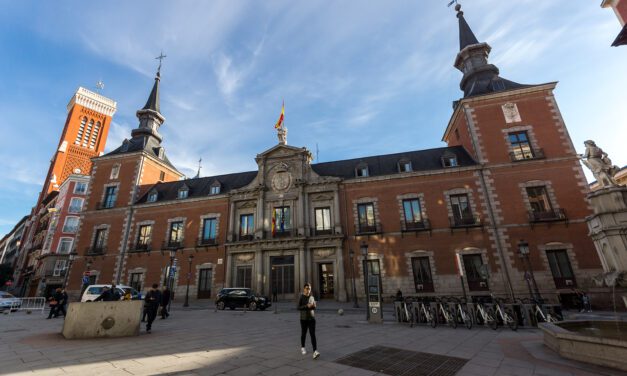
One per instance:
(103,319)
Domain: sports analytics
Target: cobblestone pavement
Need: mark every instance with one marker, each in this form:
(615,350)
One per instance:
(205,342)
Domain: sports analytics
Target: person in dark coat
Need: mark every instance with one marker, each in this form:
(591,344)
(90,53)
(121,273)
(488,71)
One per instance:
(151,302)
(61,303)
(165,300)
(55,301)
(307,306)
(108,294)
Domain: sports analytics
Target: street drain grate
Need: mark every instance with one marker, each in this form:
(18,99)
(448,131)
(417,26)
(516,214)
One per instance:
(397,362)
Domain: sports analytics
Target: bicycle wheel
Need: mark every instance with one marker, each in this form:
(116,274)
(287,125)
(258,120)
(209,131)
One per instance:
(452,319)
(467,319)
(399,318)
(512,319)
(410,318)
(491,319)
(434,320)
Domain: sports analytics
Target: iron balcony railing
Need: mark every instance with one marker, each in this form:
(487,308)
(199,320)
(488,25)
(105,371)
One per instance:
(415,225)
(321,232)
(206,241)
(527,156)
(105,205)
(465,221)
(141,247)
(96,250)
(548,215)
(245,237)
(172,244)
(369,229)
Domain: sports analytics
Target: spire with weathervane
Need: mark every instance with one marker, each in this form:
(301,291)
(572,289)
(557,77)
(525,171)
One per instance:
(480,77)
(150,118)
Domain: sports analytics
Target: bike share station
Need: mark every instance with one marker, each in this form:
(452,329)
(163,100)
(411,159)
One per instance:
(372,281)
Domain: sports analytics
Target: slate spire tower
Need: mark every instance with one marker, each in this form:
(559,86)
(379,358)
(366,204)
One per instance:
(480,77)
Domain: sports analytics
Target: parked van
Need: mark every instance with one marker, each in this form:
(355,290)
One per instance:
(93,291)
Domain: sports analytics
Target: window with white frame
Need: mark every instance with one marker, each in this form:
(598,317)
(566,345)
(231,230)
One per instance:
(215,189)
(80,188)
(152,196)
(65,246)
(183,193)
(76,205)
(404,165)
(60,267)
(362,170)
(71,225)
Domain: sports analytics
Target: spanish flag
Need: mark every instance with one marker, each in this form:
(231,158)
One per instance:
(279,122)
(273,222)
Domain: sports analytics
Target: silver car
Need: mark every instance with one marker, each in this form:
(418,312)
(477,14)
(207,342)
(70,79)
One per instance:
(8,301)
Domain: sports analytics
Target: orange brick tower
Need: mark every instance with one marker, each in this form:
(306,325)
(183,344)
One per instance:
(84,137)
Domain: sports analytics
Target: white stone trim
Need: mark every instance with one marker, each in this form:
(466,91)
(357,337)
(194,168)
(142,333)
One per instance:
(104,192)
(484,260)
(93,101)
(531,136)
(106,227)
(172,220)
(538,183)
(409,196)
(366,200)
(202,220)
(435,277)
(555,246)
(459,191)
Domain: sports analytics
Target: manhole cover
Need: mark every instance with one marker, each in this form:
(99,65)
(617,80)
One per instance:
(397,362)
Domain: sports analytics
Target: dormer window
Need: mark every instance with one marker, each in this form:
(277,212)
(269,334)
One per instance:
(362,170)
(404,165)
(183,192)
(214,189)
(449,160)
(160,152)
(152,197)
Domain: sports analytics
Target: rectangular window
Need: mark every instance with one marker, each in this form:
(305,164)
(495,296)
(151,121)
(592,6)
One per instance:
(404,166)
(362,171)
(246,226)
(60,267)
(476,272)
(209,231)
(144,234)
(521,149)
(76,205)
(183,193)
(561,269)
(136,281)
(322,220)
(462,214)
(413,214)
(162,175)
(244,276)
(422,274)
(111,194)
(176,234)
(539,199)
(100,239)
(65,246)
(281,220)
(366,218)
(80,188)
(71,225)
(449,161)
(214,190)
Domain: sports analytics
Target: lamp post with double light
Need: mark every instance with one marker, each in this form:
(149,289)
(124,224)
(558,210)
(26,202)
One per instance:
(523,250)
(189,276)
(351,256)
(71,258)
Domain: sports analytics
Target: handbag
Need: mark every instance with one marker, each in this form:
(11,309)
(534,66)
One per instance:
(53,302)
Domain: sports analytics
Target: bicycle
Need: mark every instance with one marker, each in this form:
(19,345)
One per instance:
(461,313)
(507,316)
(407,313)
(539,313)
(486,316)
(424,313)
(449,317)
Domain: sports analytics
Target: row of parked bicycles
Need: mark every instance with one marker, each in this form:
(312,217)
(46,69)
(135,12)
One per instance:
(492,312)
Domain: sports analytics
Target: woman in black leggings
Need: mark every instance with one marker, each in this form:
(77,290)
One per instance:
(307,306)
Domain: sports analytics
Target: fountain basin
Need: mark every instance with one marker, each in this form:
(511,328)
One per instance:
(602,343)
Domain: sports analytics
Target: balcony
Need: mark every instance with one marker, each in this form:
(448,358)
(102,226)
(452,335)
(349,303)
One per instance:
(245,237)
(534,154)
(105,205)
(465,221)
(281,234)
(321,231)
(565,283)
(202,242)
(95,250)
(141,247)
(369,229)
(422,225)
(551,215)
(172,244)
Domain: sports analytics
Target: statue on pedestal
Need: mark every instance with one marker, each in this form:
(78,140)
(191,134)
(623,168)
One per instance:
(598,162)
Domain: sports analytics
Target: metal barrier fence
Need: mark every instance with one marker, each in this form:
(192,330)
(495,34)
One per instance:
(29,304)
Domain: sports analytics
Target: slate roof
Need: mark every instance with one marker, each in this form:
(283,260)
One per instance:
(153,100)
(421,160)
(466,36)
(149,144)
(488,83)
(199,187)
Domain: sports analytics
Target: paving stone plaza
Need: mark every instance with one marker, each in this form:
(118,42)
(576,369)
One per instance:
(201,341)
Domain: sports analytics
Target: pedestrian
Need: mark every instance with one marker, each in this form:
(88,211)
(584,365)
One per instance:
(165,300)
(108,294)
(307,306)
(585,299)
(275,293)
(399,296)
(61,303)
(53,303)
(151,304)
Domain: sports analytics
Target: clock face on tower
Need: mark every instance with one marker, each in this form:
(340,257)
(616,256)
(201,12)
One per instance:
(281,181)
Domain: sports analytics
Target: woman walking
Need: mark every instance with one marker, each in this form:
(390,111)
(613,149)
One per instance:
(307,306)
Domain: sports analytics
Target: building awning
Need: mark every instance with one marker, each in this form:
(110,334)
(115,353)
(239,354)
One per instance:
(621,38)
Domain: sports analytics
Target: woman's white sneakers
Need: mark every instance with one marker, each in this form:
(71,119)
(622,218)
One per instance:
(316,354)
(303,351)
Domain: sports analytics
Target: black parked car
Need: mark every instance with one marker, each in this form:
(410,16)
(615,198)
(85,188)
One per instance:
(241,297)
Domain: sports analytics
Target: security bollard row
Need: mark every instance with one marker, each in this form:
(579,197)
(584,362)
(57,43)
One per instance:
(486,311)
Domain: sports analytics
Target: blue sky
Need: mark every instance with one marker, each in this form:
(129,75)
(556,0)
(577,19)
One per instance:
(358,78)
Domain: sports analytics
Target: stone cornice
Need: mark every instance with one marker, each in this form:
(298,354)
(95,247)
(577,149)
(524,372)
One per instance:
(93,101)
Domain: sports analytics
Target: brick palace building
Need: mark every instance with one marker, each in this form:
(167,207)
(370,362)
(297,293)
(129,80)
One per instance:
(509,173)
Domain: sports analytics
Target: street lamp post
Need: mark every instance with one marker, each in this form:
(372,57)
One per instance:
(85,281)
(351,255)
(364,252)
(523,249)
(171,276)
(71,257)
(189,275)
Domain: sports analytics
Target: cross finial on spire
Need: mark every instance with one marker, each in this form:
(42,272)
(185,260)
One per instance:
(160,58)
(99,85)
(199,167)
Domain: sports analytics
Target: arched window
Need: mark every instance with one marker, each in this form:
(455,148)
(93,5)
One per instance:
(81,131)
(88,132)
(94,135)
